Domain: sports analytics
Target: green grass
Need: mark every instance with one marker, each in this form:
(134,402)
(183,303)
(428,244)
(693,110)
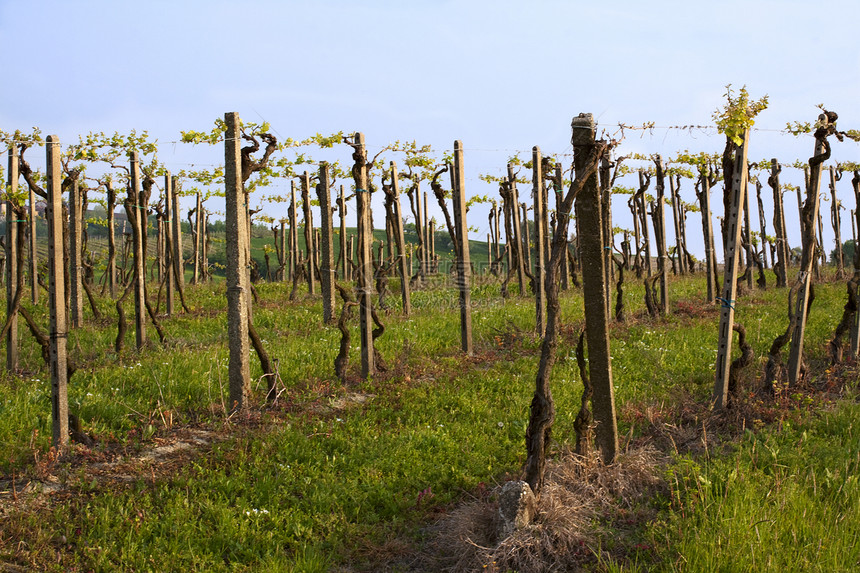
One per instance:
(307,487)
(786,499)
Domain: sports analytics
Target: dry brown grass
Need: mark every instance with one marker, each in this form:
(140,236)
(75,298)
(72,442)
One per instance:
(581,499)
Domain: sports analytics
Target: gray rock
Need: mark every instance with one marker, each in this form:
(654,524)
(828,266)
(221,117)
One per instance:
(517,507)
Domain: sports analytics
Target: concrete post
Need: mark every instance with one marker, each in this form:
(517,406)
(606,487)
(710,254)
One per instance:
(57,348)
(238,288)
(464,266)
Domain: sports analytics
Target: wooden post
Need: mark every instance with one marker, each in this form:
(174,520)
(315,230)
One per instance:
(204,251)
(644,182)
(34,254)
(57,348)
(341,203)
(198,239)
(350,252)
(591,243)
(76,300)
(517,248)
(605,188)
(540,241)
(237,264)
(365,256)
(176,223)
(835,223)
(434,264)
(429,239)
(12,270)
(327,263)
(310,254)
(464,266)
(762,222)
(657,212)
(673,192)
(564,269)
(138,219)
(748,238)
(403,263)
(169,269)
(294,233)
(159,248)
(708,232)
(795,357)
(780,265)
(729,291)
(855,225)
(820,245)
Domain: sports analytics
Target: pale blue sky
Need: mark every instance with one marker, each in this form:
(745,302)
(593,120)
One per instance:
(501,76)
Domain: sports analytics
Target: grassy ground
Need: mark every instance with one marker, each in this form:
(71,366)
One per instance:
(358,475)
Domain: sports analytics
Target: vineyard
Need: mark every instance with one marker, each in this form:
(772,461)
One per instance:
(353,384)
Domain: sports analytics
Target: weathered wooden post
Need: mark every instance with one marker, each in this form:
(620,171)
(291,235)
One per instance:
(527,238)
(365,255)
(738,179)
(809,214)
(403,264)
(429,239)
(237,276)
(464,265)
(12,270)
(591,243)
(747,233)
(294,232)
(659,220)
(136,212)
(762,224)
(34,254)
(704,193)
(176,223)
(327,270)
(644,183)
(310,249)
(781,263)
(855,224)
(558,188)
(517,247)
(431,228)
(159,248)
(341,204)
(76,301)
(169,270)
(540,240)
(835,222)
(198,240)
(204,250)
(675,199)
(605,187)
(57,348)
